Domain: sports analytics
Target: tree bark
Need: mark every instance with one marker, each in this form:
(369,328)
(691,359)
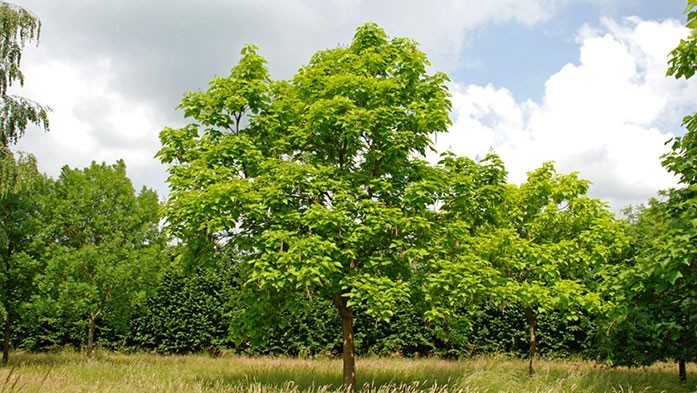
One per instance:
(349,350)
(6,341)
(682,371)
(90,336)
(532,324)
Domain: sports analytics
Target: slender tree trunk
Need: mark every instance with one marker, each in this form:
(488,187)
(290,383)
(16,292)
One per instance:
(6,341)
(532,324)
(90,336)
(349,353)
(682,371)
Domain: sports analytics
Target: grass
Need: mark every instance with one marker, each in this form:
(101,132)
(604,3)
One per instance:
(136,373)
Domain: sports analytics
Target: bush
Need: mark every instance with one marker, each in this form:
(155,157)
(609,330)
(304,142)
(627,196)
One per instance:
(187,313)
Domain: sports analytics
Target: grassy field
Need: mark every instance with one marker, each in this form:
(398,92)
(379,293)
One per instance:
(135,373)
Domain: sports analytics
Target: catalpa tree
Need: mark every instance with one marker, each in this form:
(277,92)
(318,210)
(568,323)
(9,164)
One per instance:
(539,247)
(659,288)
(311,178)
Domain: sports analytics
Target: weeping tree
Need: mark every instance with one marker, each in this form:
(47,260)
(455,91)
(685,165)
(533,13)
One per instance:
(17,27)
(309,178)
(19,177)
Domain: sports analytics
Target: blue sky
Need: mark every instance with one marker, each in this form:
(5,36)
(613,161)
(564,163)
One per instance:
(539,51)
(580,82)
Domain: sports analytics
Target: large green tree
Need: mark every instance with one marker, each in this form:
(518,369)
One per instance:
(679,253)
(17,26)
(103,244)
(308,177)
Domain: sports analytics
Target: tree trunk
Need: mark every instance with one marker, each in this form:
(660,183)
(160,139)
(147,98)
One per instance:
(682,371)
(6,341)
(349,353)
(90,336)
(532,324)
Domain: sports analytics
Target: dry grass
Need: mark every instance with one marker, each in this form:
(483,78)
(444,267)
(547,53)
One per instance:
(136,373)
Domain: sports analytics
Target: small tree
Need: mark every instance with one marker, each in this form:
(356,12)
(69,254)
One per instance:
(542,252)
(307,178)
(653,317)
(103,245)
(677,253)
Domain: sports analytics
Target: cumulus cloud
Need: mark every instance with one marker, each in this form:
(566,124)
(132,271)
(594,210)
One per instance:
(91,122)
(113,72)
(607,117)
(163,48)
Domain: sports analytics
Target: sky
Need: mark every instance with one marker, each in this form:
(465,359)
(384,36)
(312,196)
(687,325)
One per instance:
(578,82)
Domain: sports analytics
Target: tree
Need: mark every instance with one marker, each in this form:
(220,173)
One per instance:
(308,178)
(17,26)
(653,293)
(467,196)
(20,187)
(18,175)
(189,311)
(103,245)
(660,287)
(542,254)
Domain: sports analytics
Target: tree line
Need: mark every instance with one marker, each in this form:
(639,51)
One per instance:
(303,219)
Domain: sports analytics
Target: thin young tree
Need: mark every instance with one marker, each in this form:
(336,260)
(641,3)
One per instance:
(17,173)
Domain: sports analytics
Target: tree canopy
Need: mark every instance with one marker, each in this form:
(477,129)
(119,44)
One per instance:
(309,178)
(539,249)
(103,240)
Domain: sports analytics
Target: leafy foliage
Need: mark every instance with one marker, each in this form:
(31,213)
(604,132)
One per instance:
(188,312)
(20,219)
(683,59)
(656,291)
(17,27)
(540,248)
(103,244)
(312,191)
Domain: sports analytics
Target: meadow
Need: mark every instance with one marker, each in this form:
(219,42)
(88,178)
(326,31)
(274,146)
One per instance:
(135,373)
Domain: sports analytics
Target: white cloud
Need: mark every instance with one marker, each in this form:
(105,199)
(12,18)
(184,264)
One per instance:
(605,117)
(91,122)
(113,72)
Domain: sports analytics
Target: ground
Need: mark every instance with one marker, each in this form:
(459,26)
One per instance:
(135,373)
